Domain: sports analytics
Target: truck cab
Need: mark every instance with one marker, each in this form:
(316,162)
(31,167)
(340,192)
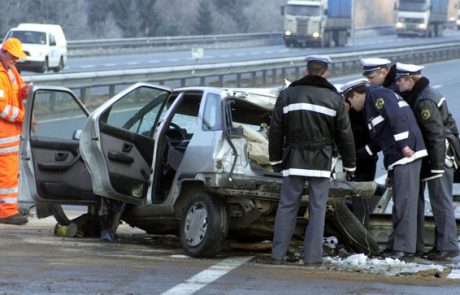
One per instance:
(423,18)
(318,22)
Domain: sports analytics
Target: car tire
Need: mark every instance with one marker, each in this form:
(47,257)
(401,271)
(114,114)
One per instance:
(204,225)
(44,68)
(351,230)
(59,214)
(60,67)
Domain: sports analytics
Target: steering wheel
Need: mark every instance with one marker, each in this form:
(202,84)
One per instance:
(179,130)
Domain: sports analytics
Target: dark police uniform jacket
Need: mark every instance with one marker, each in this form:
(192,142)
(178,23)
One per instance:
(435,121)
(393,126)
(309,120)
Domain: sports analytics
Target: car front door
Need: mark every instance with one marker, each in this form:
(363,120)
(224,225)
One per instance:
(117,143)
(52,169)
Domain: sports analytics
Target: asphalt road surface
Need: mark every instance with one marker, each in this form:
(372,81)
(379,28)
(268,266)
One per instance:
(34,261)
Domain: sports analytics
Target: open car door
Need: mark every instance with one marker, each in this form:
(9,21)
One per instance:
(52,169)
(117,142)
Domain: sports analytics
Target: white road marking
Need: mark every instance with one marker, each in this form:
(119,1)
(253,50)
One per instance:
(132,63)
(173,59)
(87,66)
(437,86)
(207,276)
(153,61)
(110,65)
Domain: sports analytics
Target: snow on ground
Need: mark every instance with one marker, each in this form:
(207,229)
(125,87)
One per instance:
(388,266)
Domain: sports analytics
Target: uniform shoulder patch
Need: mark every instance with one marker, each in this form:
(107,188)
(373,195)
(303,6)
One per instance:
(425,114)
(379,103)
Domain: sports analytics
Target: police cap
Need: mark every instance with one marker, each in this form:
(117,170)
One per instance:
(352,85)
(319,58)
(373,64)
(403,70)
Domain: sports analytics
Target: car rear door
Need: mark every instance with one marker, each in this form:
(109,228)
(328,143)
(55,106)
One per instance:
(117,142)
(51,167)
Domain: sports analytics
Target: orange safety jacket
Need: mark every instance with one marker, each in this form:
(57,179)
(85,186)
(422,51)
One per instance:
(11,118)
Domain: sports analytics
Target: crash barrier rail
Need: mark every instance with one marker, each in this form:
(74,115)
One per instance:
(268,37)
(238,74)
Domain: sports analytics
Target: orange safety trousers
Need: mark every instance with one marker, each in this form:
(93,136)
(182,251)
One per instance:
(9,183)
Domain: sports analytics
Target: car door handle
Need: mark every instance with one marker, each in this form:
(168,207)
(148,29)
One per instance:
(120,157)
(61,156)
(126,147)
(44,166)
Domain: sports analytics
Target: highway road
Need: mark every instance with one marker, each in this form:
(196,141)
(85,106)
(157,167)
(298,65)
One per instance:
(168,57)
(34,261)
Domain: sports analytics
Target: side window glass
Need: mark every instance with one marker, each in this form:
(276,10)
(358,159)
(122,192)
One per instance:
(52,40)
(57,115)
(137,111)
(212,113)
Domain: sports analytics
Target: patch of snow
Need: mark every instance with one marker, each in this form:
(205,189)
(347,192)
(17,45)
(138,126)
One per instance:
(387,266)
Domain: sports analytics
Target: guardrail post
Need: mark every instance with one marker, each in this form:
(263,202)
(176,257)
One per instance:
(238,80)
(111,90)
(53,101)
(264,77)
(221,80)
(274,76)
(83,94)
(254,78)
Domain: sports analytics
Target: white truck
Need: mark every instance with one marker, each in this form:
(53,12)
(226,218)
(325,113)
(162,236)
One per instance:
(44,44)
(424,18)
(320,22)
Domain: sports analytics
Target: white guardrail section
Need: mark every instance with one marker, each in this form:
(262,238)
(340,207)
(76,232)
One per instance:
(239,74)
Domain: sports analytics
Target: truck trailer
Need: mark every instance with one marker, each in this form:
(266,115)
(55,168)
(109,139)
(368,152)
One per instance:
(424,18)
(320,22)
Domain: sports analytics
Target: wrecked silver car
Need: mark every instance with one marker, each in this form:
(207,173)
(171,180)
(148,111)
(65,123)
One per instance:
(191,162)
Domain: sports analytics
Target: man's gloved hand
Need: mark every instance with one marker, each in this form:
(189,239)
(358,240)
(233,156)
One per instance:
(350,176)
(277,168)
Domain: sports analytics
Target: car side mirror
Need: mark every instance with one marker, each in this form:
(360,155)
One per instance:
(77,134)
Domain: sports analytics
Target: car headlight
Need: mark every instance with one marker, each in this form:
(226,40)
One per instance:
(458,22)
(287,33)
(399,25)
(316,35)
(422,26)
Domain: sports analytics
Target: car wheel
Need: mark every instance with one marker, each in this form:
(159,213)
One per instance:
(59,214)
(60,67)
(45,66)
(204,225)
(351,230)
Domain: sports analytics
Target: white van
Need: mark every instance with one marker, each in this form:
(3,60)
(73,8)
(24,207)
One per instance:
(44,44)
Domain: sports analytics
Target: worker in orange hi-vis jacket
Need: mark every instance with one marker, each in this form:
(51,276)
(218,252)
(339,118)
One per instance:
(13,91)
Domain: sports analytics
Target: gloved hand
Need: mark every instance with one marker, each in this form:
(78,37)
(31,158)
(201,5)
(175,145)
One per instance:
(277,168)
(350,176)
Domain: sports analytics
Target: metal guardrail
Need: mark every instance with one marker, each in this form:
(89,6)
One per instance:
(170,41)
(239,74)
(201,40)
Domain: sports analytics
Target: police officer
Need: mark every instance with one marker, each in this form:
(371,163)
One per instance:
(379,72)
(393,126)
(435,120)
(366,161)
(308,121)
